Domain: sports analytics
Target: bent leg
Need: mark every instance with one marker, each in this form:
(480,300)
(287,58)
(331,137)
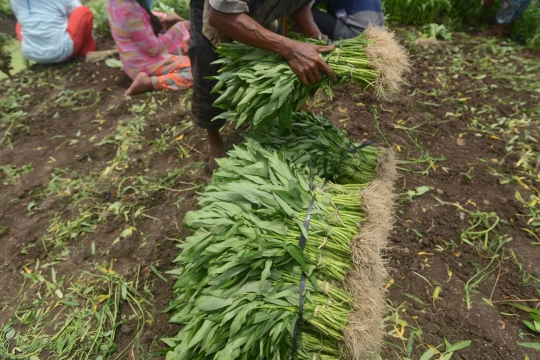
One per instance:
(175,74)
(173,81)
(80,25)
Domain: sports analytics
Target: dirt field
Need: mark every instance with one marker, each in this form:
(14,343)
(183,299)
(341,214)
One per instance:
(96,178)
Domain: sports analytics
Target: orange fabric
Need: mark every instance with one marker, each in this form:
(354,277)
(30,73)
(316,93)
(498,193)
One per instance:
(80,24)
(174,74)
(18,30)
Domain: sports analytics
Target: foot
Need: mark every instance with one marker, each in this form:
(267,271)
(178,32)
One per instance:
(141,84)
(498,30)
(216,149)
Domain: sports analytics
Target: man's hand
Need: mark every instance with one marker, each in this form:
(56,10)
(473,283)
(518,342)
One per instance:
(488,3)
(303,58)
(306,63)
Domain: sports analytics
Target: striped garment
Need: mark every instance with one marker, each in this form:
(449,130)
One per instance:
(174,74)
(141,50)
(511,10)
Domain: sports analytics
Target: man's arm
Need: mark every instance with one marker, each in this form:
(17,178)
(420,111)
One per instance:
(303,17)
(303,58)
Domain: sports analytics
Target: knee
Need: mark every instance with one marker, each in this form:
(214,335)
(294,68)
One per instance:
(88,13)
(83,9)
(84,12)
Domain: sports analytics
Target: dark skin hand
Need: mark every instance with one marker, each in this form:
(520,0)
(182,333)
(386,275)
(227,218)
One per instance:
(303,58)
(172,19)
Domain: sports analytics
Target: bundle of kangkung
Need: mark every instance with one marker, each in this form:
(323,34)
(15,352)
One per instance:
(283,262)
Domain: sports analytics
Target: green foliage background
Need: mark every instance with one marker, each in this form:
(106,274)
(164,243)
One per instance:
(5,8)
(462,14)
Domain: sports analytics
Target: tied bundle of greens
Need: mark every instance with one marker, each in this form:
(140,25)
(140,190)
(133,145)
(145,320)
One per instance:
(258,86)
(313,141)
(238,289)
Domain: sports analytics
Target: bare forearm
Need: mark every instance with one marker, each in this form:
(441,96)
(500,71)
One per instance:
(304,19)
(304,59)
(242,28)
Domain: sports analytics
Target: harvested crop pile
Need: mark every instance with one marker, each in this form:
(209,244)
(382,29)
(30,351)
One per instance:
(281,263)
(313,141)
(257,85)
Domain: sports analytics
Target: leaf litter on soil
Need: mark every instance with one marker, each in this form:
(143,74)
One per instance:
(76,318)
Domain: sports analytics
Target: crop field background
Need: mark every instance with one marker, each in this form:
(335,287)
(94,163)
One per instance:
(94,187)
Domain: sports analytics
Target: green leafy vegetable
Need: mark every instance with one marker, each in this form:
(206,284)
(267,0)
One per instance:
(237,295)
(314,141)
(257,86)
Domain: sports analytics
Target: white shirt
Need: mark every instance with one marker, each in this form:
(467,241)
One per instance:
(44,28)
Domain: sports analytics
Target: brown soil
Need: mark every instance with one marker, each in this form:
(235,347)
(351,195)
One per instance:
(7,25)
(493,336)
(39,146)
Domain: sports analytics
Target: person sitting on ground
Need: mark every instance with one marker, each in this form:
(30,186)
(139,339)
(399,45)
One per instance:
(53,31)
(509,12)
(152,56)
(346,19)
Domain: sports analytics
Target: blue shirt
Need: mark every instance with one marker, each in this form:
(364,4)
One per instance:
(355,16)
(354,6)
(44,28)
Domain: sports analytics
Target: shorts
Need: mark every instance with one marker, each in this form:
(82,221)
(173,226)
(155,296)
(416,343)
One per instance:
(202,55)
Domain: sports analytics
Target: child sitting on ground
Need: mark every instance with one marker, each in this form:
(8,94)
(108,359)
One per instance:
(151,56)
(53,31)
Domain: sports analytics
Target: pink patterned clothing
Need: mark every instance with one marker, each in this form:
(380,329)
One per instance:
(141,50)
(181,45)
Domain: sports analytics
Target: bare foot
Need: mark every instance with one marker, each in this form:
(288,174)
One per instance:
(215,148)
(142,83)
(498,30)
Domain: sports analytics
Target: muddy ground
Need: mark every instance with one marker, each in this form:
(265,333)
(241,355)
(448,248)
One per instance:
(67,126)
